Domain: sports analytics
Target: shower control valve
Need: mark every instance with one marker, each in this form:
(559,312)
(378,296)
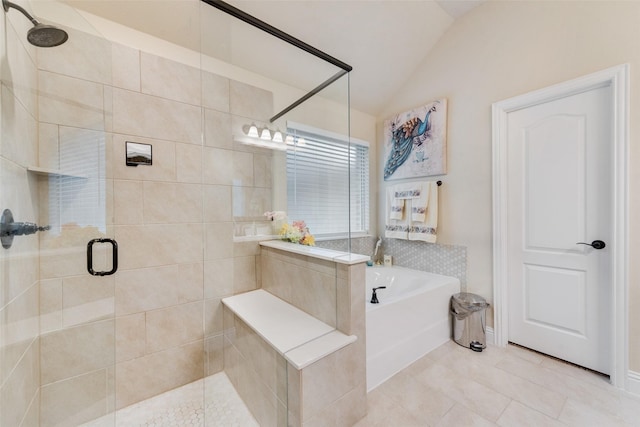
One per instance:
(9,228)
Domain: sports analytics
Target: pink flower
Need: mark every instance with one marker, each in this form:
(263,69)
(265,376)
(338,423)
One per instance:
(299,225)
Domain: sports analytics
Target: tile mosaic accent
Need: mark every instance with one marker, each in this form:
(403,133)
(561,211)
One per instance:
(449,260)
(184,406)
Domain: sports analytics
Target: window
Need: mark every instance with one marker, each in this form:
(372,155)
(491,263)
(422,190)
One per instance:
(318,190)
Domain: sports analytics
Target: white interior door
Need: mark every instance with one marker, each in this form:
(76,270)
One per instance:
(559,194)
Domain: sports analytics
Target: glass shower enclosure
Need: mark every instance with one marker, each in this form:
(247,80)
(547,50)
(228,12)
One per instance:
(134,202)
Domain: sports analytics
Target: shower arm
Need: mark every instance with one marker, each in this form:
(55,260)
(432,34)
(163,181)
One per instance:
(7,4)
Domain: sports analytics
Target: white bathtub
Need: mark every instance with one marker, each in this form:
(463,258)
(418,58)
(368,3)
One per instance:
(411,319)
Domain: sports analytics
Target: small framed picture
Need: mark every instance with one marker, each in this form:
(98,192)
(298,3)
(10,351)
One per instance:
(138,154)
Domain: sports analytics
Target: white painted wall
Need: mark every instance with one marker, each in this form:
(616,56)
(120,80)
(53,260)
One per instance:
(503,49)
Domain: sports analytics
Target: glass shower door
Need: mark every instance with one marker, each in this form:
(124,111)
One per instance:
(58,294)
(78,255)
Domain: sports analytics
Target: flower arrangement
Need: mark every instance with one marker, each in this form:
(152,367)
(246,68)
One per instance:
(297,232)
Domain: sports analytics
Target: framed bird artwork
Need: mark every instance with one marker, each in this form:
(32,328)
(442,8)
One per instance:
(415,142)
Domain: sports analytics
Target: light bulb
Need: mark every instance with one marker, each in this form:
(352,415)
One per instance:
(265,134)
(253,131)
(277,136)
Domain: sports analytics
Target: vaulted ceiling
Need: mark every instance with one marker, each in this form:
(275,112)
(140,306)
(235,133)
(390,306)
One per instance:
(383,40)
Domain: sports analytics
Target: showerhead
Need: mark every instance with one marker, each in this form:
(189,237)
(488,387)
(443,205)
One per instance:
(40,35)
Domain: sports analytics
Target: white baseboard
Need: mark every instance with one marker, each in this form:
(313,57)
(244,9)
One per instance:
(633,382)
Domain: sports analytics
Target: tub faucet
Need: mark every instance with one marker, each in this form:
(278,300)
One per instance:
(374,297)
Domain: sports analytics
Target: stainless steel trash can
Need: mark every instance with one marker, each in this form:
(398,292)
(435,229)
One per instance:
(469,320)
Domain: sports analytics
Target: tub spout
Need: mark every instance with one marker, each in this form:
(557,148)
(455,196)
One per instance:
(374,297)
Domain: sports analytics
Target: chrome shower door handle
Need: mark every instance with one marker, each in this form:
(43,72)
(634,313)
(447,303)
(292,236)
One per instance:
(114,257)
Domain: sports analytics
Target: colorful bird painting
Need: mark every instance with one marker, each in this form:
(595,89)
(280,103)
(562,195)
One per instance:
(412,132)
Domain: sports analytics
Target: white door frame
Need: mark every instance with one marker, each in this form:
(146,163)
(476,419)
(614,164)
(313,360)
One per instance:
(618,79)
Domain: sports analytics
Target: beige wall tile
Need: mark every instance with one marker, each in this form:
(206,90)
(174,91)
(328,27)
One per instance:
(128,202)
(214,354)
(213,317)
(250,101)
(259,355)
(50,305)
(20,388)
(246,248)
(138,379)
(20,329)
(251,202)
(164,160)
(174,326)
(147,289)
(218,278)
(20,72)
(242,169)
(281,379)
(108,108)
(307,289)
(48,155)
(130,337)
(274,275)
(155,245)
(244,274)
(294,388)
(217,129)
(19,131)
(217,203)
(76,350)
(32,417)
(215,92)
(172,203)
(83,55)
(217,165)
(153,117)
(328,379)
(314,293)
(259,398)
(170,79)
(87,299)
(189,163)
(75,400)
(125,65)
(219,240)
(70,101)
(65,261)
(262,176)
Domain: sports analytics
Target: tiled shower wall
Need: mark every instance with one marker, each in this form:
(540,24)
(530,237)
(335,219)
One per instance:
(19,340)
(173,222)
(449,260)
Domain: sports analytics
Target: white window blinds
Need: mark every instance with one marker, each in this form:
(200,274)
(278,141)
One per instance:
(318,185)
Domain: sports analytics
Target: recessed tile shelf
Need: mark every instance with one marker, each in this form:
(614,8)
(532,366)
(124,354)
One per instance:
(52,172)
(297,336)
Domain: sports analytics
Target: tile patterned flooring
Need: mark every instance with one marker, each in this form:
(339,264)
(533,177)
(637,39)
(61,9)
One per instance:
(451,386)
(184,406)
(509,387)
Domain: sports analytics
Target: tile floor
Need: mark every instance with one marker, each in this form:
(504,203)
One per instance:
(184,406)
(454,386)
(451,386)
